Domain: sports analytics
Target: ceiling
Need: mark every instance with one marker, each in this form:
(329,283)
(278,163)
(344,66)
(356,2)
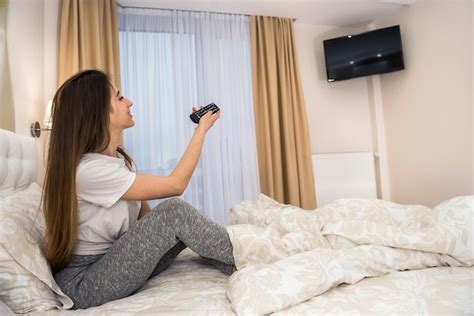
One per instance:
(319,12)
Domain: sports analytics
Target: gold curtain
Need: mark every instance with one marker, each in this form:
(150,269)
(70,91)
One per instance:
(88,38)
(7,110)
(284,152)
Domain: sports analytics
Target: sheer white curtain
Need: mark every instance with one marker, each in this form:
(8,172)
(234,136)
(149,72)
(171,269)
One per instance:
(171,61)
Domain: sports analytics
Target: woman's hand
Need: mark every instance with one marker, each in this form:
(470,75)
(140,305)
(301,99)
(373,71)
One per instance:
(207,120)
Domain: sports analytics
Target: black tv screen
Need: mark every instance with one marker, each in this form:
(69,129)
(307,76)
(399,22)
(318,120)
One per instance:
(374,52)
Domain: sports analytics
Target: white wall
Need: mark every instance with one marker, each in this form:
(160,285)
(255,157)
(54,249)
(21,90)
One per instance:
(25,57)
(32,32)
(344,115)
(428,106)
(338,112)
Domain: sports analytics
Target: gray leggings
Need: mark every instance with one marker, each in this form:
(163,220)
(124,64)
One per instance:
(144,251)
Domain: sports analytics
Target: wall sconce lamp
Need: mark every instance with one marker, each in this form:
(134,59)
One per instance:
(36,127)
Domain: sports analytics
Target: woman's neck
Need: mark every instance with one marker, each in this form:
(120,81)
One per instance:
(111,149)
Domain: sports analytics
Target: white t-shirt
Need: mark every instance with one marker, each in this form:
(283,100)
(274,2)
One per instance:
(103,217)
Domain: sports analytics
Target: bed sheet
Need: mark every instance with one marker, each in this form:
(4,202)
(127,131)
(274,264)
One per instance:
(188,287)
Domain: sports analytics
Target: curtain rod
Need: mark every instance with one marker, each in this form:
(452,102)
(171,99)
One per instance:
(151,8)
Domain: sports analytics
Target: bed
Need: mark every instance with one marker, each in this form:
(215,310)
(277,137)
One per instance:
(353,256)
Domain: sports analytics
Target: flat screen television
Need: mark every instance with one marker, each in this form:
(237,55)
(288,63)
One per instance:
(374,52)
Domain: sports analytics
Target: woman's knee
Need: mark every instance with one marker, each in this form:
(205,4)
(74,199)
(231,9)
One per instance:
(174,203)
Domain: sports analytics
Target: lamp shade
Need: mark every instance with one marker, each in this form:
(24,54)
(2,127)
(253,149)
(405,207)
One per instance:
(47,119)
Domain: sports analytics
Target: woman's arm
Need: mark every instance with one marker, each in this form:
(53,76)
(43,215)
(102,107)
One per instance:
(147,187)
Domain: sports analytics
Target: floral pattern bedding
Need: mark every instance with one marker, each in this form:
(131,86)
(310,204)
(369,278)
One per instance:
(286,256)
(189,287)
(349,257)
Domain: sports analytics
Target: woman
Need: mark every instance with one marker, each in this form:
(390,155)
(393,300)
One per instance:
(97,248)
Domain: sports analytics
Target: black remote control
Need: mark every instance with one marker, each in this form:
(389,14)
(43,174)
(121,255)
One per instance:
(196,116)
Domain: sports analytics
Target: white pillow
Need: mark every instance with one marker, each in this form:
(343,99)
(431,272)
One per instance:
(27,283)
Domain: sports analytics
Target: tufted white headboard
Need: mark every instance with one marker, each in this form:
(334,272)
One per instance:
(18,162)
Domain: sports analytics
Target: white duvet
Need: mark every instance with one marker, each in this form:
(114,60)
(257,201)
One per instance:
(286,255)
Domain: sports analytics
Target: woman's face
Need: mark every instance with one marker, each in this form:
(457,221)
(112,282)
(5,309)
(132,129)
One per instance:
(120,115)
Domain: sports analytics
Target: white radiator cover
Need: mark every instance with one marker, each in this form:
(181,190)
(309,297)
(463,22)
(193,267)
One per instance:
(347,175)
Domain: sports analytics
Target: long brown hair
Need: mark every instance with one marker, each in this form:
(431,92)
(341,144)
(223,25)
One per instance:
(80,116)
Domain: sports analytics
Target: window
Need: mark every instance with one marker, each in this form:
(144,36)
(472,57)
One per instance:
(171,61)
